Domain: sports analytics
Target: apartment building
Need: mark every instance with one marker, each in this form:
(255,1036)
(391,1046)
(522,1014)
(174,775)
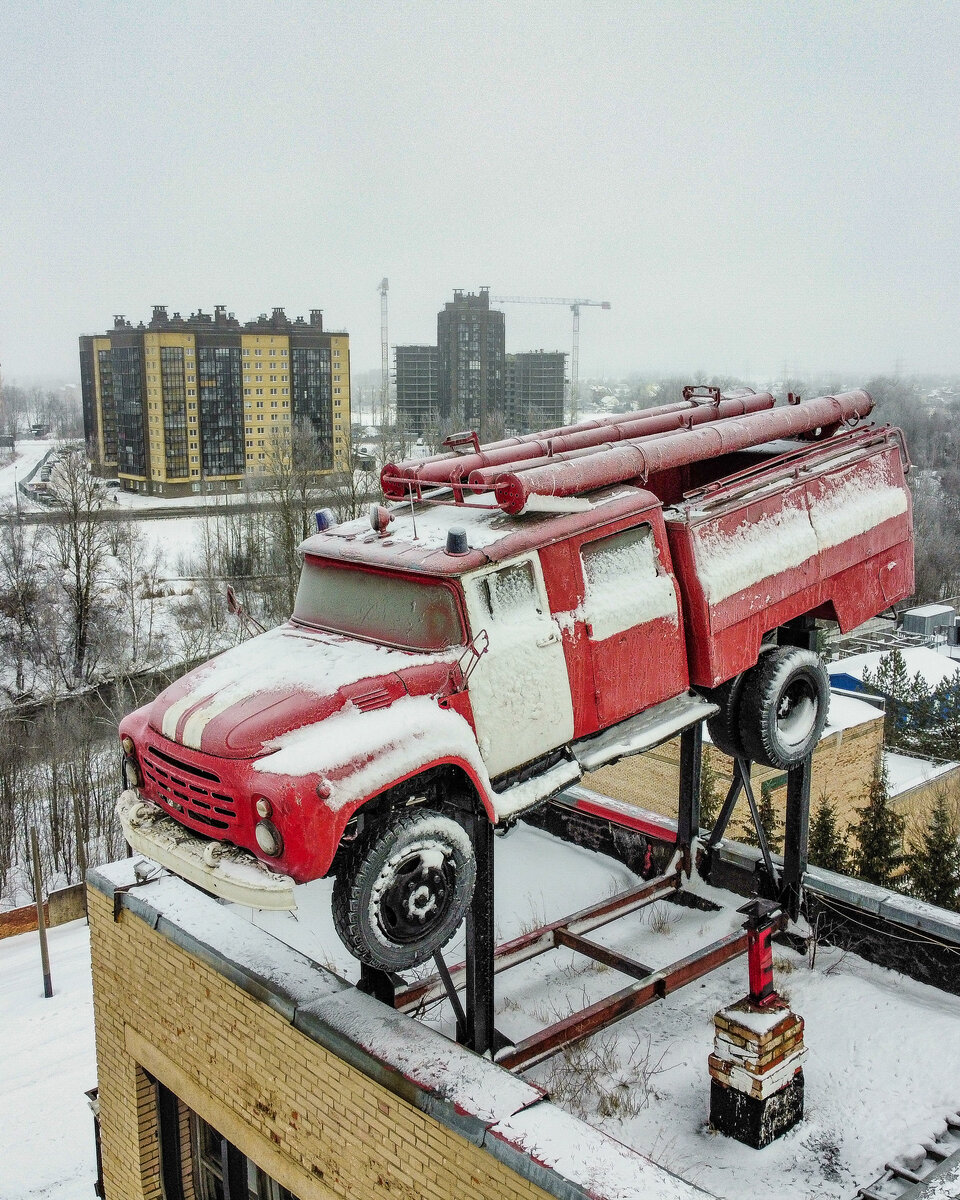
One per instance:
(534,390)
(205,403)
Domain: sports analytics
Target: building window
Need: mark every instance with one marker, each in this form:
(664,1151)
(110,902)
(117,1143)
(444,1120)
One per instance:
(222,1172)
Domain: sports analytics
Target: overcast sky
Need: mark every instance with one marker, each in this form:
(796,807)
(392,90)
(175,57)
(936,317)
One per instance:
(751,186)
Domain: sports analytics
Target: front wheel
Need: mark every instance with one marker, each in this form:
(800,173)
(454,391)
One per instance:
(783,707)
(404,888)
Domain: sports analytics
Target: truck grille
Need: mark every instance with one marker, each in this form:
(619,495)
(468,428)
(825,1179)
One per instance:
(189,790)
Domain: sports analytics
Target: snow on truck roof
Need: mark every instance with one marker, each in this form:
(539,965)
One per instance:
(416,536)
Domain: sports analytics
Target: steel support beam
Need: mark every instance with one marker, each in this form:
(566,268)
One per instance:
(795,837)
(540,941)
(688,810)
(481,942)
(595,1017)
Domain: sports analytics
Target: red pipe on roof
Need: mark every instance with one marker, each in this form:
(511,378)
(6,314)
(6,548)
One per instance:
(437,469)
(628,461)
(563,449)
(451,468)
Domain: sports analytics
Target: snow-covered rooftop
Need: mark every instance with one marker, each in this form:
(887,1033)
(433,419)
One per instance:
(930,610)
(905,773)
(932,666)
(846,712)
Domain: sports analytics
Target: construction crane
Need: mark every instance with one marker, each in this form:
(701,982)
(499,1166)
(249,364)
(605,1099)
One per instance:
(574,306)
(384,353)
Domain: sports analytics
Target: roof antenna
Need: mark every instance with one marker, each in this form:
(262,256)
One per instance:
(413,515)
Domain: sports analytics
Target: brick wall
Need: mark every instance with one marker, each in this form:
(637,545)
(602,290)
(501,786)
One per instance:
(321,1114)
(842,768)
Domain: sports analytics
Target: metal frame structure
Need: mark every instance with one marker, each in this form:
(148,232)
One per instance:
(485,960)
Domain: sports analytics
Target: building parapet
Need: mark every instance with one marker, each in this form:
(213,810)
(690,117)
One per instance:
(511,1121)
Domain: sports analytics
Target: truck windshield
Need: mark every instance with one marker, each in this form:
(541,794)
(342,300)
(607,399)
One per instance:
(412,613)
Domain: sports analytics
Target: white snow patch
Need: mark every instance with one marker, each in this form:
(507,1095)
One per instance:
(600,1165)
(624,586)
(845,712)
(860,501)
(387,743)
(484,526)
(933,668)
(523,795)
(729,563)
(282,660)
(905,773)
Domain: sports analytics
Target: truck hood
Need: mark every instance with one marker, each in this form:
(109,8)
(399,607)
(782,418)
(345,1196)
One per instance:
(275,683)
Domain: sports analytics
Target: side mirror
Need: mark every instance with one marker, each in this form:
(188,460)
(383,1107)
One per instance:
(475,650)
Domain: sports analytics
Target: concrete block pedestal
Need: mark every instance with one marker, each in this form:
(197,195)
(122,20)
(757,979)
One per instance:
(756,1077)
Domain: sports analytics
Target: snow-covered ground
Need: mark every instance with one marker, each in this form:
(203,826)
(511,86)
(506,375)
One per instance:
(47,1062)
(883,1064)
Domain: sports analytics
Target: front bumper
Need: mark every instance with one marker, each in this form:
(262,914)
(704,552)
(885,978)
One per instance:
(217,867)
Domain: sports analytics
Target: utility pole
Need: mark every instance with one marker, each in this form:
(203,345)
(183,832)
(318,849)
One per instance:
(41,918)
(384,353)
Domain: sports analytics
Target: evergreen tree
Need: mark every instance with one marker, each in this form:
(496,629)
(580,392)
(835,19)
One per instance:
(769,819)
(934,859)
(879,832)
(709,797)
(828,847)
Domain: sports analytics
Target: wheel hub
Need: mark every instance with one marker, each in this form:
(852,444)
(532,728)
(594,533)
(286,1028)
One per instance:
(416,897)
(797,712)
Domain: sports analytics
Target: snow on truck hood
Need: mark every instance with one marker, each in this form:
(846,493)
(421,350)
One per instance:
(236,703)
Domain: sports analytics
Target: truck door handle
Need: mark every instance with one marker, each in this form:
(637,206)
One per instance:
(549,639)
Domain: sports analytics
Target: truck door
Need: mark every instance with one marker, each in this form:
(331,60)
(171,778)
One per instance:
(519,690)
(632,620)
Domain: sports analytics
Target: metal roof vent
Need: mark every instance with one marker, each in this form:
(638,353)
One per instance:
(457,540)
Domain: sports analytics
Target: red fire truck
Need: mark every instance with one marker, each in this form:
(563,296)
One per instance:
(513,616)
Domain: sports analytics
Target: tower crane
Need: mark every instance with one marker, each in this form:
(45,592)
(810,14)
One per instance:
(384,353)
(574,306)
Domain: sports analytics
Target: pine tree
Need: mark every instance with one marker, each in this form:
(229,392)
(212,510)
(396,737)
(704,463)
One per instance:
(879,832)
(769,820)
(828,847)
(709,799)
(934,859)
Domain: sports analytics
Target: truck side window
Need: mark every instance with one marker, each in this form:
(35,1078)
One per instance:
(624,583)
(511,593)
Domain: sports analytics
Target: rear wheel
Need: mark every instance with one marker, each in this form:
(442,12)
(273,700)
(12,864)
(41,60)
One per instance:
(783,706)
(724,726)
(403,889)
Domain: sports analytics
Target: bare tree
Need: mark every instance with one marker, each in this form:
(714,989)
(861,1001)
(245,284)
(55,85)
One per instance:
(20,583)
(80,542)
(135,574)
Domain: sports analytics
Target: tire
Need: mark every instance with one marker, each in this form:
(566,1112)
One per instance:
(783,707)
(403,889)
(724,726)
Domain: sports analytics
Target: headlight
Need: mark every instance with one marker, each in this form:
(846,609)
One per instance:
(131,773)
(269,839)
